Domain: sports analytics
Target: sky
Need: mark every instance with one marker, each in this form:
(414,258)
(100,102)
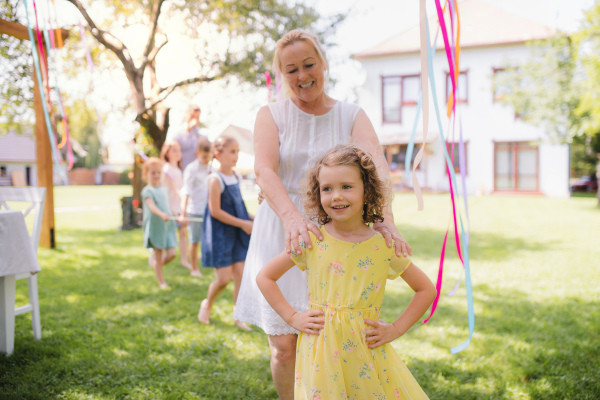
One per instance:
(368,23)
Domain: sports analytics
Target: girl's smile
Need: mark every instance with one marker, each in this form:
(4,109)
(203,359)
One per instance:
(342,193)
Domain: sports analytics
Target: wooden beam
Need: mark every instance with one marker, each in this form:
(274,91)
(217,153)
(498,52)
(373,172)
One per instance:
(44,164)
(19,31)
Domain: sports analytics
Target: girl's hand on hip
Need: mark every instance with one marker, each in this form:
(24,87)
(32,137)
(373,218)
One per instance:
(295,226)
(391,236)
(381,333)
(307,321)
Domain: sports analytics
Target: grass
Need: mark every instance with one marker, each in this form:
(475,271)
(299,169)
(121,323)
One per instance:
(110,333)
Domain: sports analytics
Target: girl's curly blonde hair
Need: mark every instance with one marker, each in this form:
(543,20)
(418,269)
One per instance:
(377,192)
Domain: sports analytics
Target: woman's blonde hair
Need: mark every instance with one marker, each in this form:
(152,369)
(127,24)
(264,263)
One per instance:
(377,193)
(164,151)
(149,163)
(290,38)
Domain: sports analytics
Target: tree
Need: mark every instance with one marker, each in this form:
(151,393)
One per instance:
(16,94)
(557,89)
(246,29)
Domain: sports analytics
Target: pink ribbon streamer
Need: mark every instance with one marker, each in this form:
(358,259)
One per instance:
(268,82)
(438,285)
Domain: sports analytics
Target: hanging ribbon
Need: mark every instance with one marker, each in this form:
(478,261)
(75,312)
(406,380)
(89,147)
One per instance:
(438,285)
(425,90)
(268,82)
(49,37)
(38,73)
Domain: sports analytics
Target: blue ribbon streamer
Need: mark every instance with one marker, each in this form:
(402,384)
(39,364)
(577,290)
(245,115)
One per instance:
(38,73)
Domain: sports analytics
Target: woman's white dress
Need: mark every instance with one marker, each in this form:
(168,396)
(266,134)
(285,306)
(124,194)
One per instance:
(302,139)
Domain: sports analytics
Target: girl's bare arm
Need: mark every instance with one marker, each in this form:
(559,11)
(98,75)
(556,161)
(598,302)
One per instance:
(307,321)
(155,210)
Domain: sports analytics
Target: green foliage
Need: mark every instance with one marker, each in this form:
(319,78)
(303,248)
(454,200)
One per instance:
(16,83)
(588,42)
(83,127)
(583,155)
(108,332)
(545,91)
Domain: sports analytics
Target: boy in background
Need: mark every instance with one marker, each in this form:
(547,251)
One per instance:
(194,196)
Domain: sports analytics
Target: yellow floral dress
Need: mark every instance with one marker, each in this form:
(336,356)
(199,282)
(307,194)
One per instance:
(347,281)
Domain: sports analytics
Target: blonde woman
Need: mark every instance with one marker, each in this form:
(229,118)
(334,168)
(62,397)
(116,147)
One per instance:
(288,137)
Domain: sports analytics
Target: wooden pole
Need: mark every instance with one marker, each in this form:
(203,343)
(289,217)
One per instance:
(42,141)
(44,165)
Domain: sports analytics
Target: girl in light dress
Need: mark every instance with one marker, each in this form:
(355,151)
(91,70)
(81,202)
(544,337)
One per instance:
(226,227)
(158,229)
(344,349)
(173,180)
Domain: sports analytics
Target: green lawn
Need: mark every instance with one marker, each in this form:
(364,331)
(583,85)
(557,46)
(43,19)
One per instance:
(110,333)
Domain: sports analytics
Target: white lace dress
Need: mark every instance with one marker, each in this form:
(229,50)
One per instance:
(302,138)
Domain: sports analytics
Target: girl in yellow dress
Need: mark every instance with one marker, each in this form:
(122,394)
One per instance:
(344,349)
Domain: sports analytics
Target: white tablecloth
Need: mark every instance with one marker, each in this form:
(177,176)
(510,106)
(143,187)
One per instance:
(16,249)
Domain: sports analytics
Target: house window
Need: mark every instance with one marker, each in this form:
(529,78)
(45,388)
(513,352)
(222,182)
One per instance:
(396,156)
(462,87)
(411,87)
(398,91)
(456,159)
(499,84)
(516,166)
(392,98)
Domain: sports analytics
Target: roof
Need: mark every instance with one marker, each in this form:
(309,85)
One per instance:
(480,25)
(17,148)
(243,136)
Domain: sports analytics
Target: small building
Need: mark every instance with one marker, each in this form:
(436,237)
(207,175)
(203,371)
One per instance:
(17,160)
(244,137)
(503,153)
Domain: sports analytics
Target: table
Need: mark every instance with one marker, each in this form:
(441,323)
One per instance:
(17,256)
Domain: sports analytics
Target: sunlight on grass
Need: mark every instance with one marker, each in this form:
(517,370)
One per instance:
(109,332)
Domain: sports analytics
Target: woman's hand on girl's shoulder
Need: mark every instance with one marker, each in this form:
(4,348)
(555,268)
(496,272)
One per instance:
(391,236)
(380,333)
(310,321)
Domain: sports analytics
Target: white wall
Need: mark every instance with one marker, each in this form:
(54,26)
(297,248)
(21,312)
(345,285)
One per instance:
(483,121)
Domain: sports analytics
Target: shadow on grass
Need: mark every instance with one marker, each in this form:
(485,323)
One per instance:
(427,243)
(543,350)
(110,333)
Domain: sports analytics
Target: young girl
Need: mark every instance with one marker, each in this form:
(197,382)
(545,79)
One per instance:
(343,349)
(159,231)
(226,227)
(173,180)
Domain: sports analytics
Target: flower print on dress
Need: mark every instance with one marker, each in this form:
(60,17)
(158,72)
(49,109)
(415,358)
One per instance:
(365,264)
(349,346)
(298,379)
(377,287)
(315,393)
(336,268)
(365,293)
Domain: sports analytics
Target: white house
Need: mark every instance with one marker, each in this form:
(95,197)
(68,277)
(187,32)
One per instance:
(503,154)
(17,160)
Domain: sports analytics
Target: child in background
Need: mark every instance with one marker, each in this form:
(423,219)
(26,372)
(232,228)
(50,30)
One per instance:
(195,197)
(344,349)
(226,227)
(158,229)
(173,180)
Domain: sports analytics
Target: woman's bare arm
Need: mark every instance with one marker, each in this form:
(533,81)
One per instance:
(266,145)
(363,134)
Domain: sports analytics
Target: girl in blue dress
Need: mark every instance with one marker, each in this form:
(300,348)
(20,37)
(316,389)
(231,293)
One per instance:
(159,230)
(226,227)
